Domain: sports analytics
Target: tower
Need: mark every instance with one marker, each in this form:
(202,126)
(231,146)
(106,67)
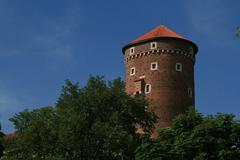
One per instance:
(160,64)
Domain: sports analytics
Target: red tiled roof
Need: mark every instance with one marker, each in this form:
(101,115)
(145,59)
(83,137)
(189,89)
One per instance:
(159,31)
(9,136)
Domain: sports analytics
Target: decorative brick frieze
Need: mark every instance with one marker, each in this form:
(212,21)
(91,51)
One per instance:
(161,51)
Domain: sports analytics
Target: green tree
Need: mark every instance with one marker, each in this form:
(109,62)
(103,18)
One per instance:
(195,137)
(238,32)
(36,135)
(96,122)
(1,142)
(99,121)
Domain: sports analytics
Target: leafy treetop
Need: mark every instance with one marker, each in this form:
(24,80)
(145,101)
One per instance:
(96,122)
(195,137)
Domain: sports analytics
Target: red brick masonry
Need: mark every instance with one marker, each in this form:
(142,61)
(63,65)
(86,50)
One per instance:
(172,91)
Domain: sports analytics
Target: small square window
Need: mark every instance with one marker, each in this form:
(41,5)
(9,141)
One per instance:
(132,50)
(153,45)
(147,88)
(190,92)
(132,71)
(178,67)
(154,66)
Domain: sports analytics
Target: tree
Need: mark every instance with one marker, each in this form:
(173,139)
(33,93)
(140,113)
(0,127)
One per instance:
(195,137)
(101,119)
(96,122)
(36,135)
(1,142)
(238,32)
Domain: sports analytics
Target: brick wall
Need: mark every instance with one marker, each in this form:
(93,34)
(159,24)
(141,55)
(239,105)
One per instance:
(169,94)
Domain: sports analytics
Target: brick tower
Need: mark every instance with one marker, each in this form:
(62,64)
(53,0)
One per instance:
(160,64)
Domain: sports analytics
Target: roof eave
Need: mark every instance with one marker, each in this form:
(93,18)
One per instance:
(155,38)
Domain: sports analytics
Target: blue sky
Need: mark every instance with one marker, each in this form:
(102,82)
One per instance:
(45,42)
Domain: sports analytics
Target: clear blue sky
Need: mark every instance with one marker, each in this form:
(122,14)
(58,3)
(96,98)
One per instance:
(44,42)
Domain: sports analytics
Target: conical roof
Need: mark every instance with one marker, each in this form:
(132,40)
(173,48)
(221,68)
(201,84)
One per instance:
(159,31)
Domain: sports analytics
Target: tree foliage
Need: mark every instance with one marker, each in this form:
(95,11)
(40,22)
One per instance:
(36,135)
(96,122)
(238,32)
(195,137)
(1,142)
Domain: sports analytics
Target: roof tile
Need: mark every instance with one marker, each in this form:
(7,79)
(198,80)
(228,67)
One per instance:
(9,136)
(159,31)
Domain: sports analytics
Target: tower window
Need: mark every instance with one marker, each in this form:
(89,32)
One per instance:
(154,66)
(178,67)
(153,45)
(132,51)
(132,71)
(147,88)
(190,92)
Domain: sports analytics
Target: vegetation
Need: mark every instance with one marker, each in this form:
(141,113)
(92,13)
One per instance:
(92,123)
(194,137)
(238,32)
(99,122)
(1,142)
